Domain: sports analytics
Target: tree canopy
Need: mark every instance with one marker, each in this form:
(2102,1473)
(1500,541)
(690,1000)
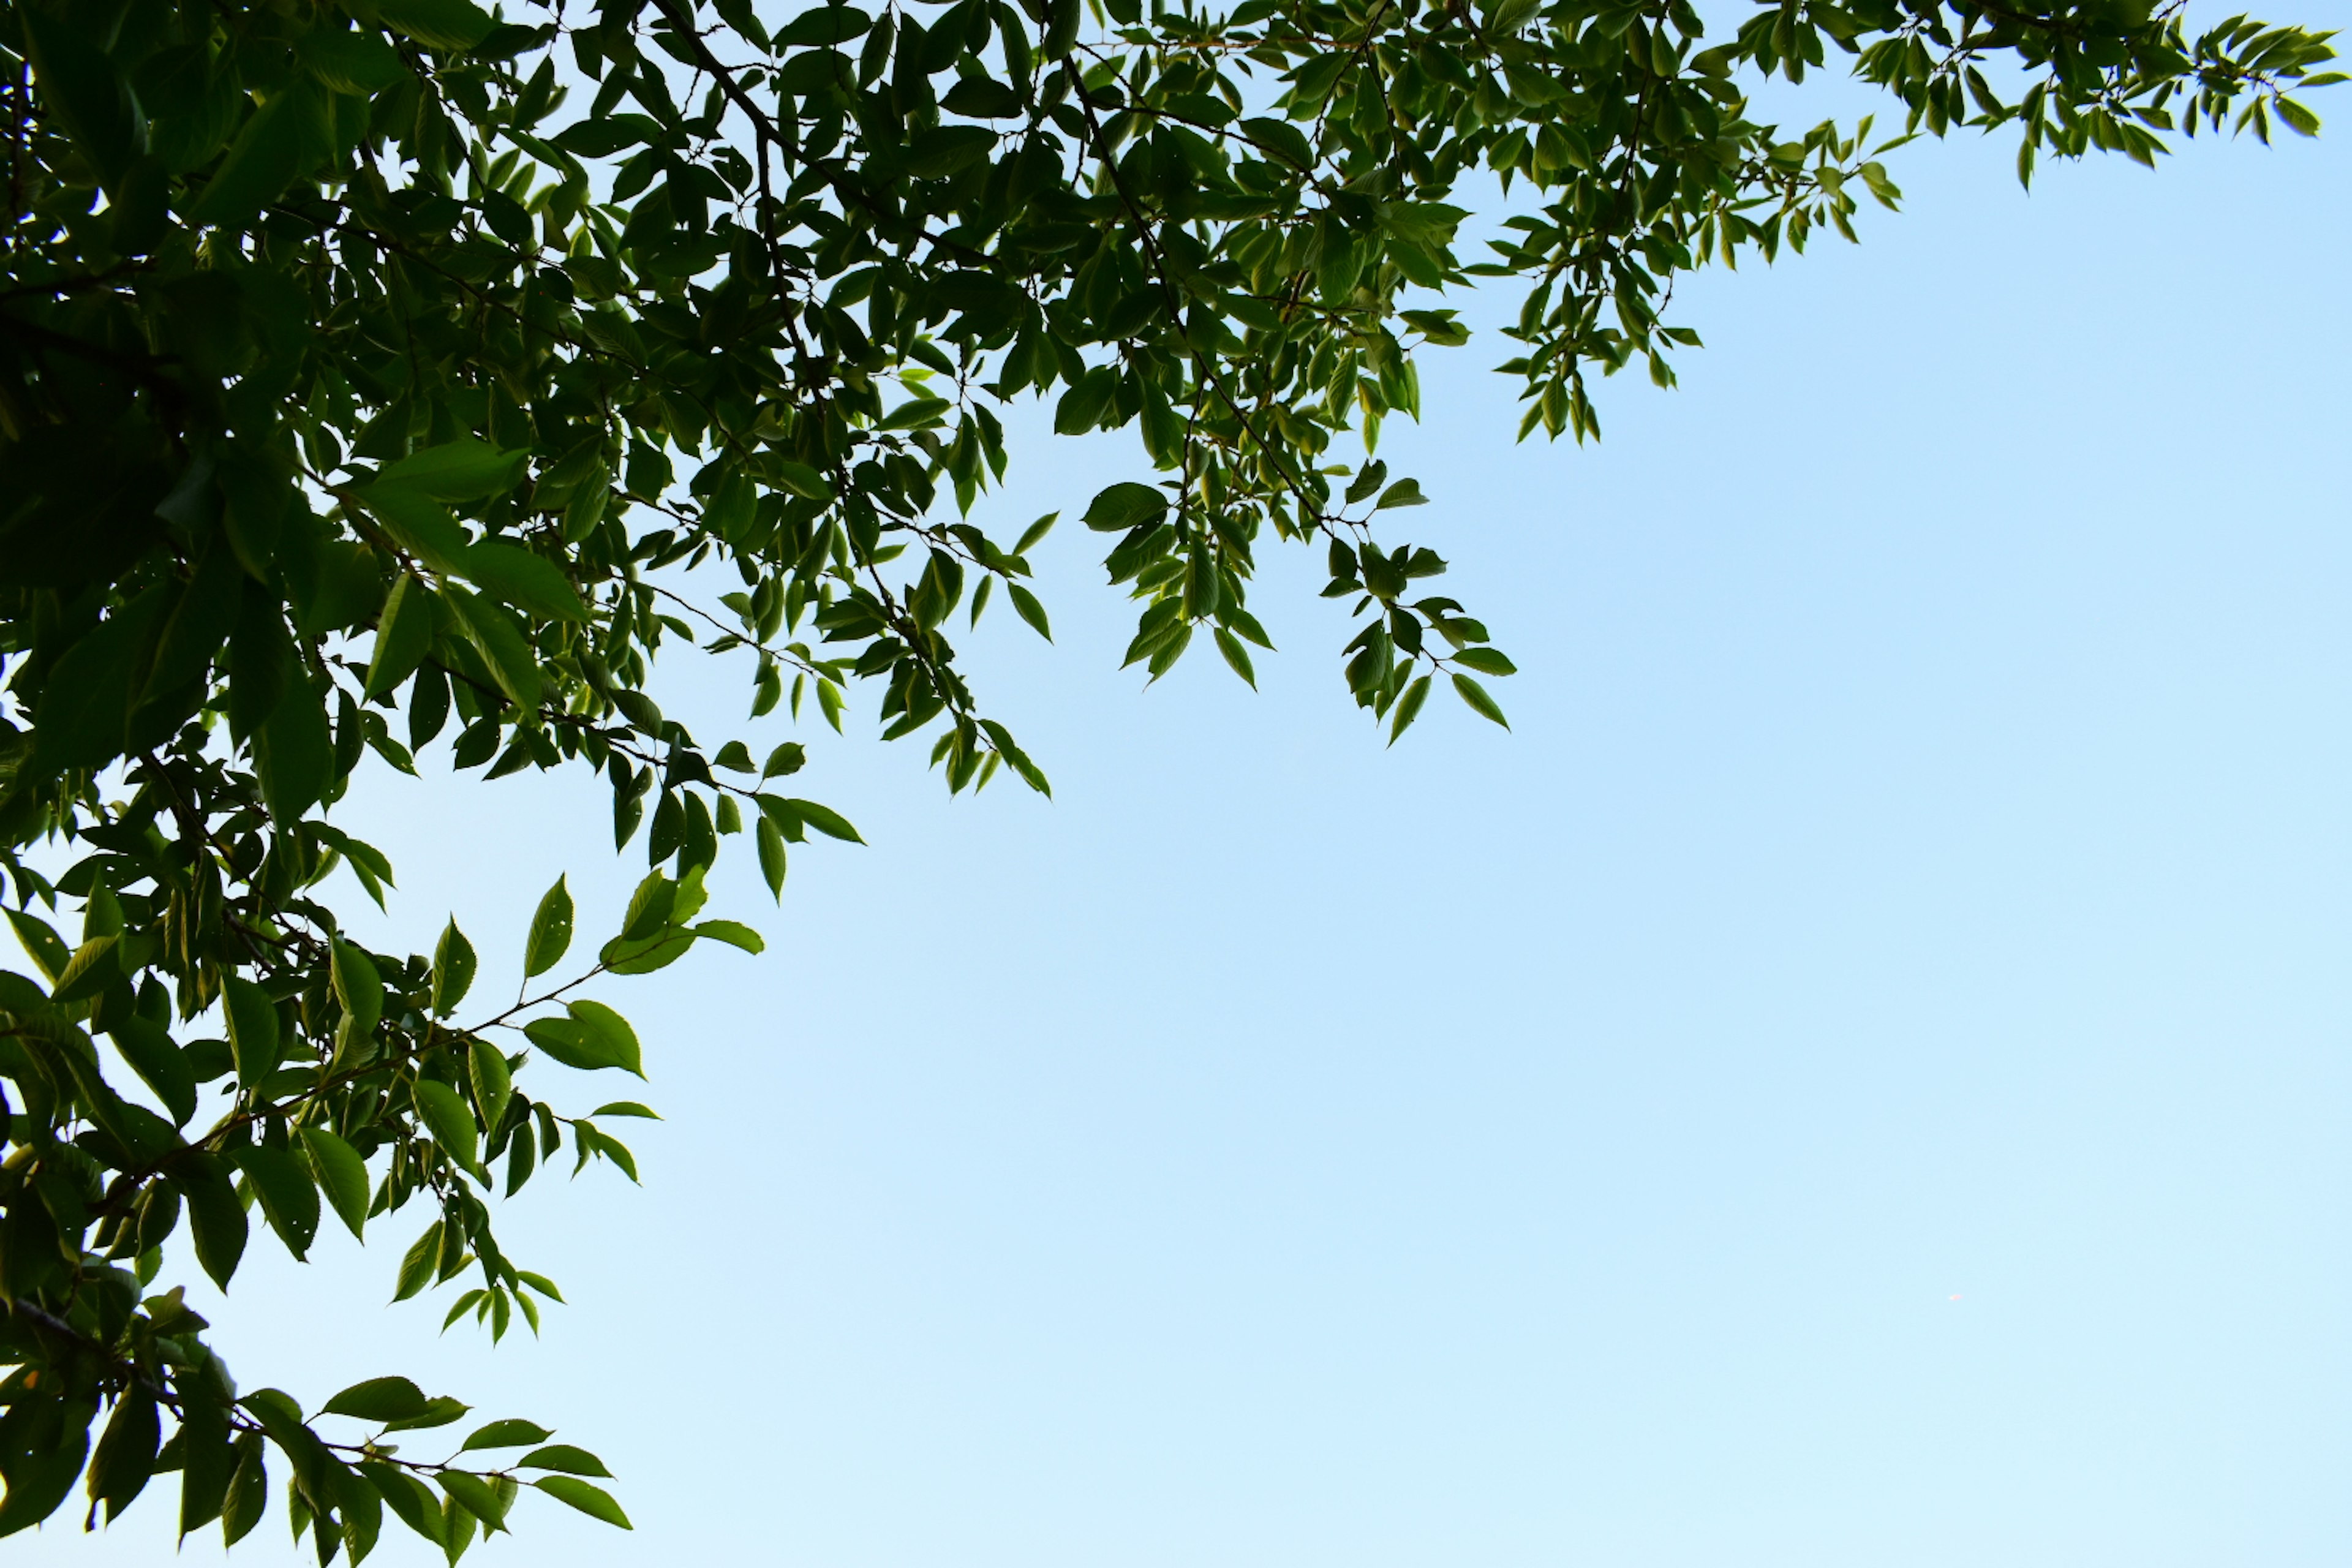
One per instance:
(378,374)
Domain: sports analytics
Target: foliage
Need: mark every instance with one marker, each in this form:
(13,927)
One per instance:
(374,370)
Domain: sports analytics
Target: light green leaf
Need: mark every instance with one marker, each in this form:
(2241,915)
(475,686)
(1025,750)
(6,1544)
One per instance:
(92,968)
(733,933)
(1480,703)
(452,1125)
(551,931)
(493,1085)
(620,1041)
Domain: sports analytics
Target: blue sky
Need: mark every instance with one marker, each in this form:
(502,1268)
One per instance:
(1855,1077)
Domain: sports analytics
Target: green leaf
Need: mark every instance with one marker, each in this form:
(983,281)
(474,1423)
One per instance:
(163,1064)
(403,634)
(1026,604)
(626,1108)
(43,946)
(571,1043)
(453,970)
(642,955)
(649,906)
(378,1399)
(289,1199)
(439,1411)
(1236,656)
(508,1434)
(439,24)
(341,1175)
(1409,708)
(92,968)
(1485,661)
(823,819)
(294,753)
(252,1028)
(359,989)
(563,1457)
(80,85)
(493,1085)
(945,149)
(248,1491)
(551,931)
(1479,701)
(771,840)
(501,644)
(1282,139)
(593,1501)
(260,163)
(540,1283)
(461,470)
(620,1041)
(418,523)
(522,578)
(409,1498)
(476,1496)
(1404,492)
(359,63)
(451,1123)
(126,1453)
(215,1218)
(417,1266)
(802,480)
(1124,506)
(733,933)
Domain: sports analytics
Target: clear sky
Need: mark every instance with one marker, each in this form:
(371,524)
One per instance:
(1856,1077)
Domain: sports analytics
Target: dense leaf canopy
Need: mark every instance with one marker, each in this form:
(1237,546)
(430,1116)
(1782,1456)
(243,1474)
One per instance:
(381,373)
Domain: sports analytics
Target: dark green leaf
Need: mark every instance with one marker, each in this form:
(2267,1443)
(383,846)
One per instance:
(563,1457)
(287,1197)
(1124,506)
(378,1399)
(508,1434)
(453,970)
(593,1501)
(439,23)
(252,1028)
